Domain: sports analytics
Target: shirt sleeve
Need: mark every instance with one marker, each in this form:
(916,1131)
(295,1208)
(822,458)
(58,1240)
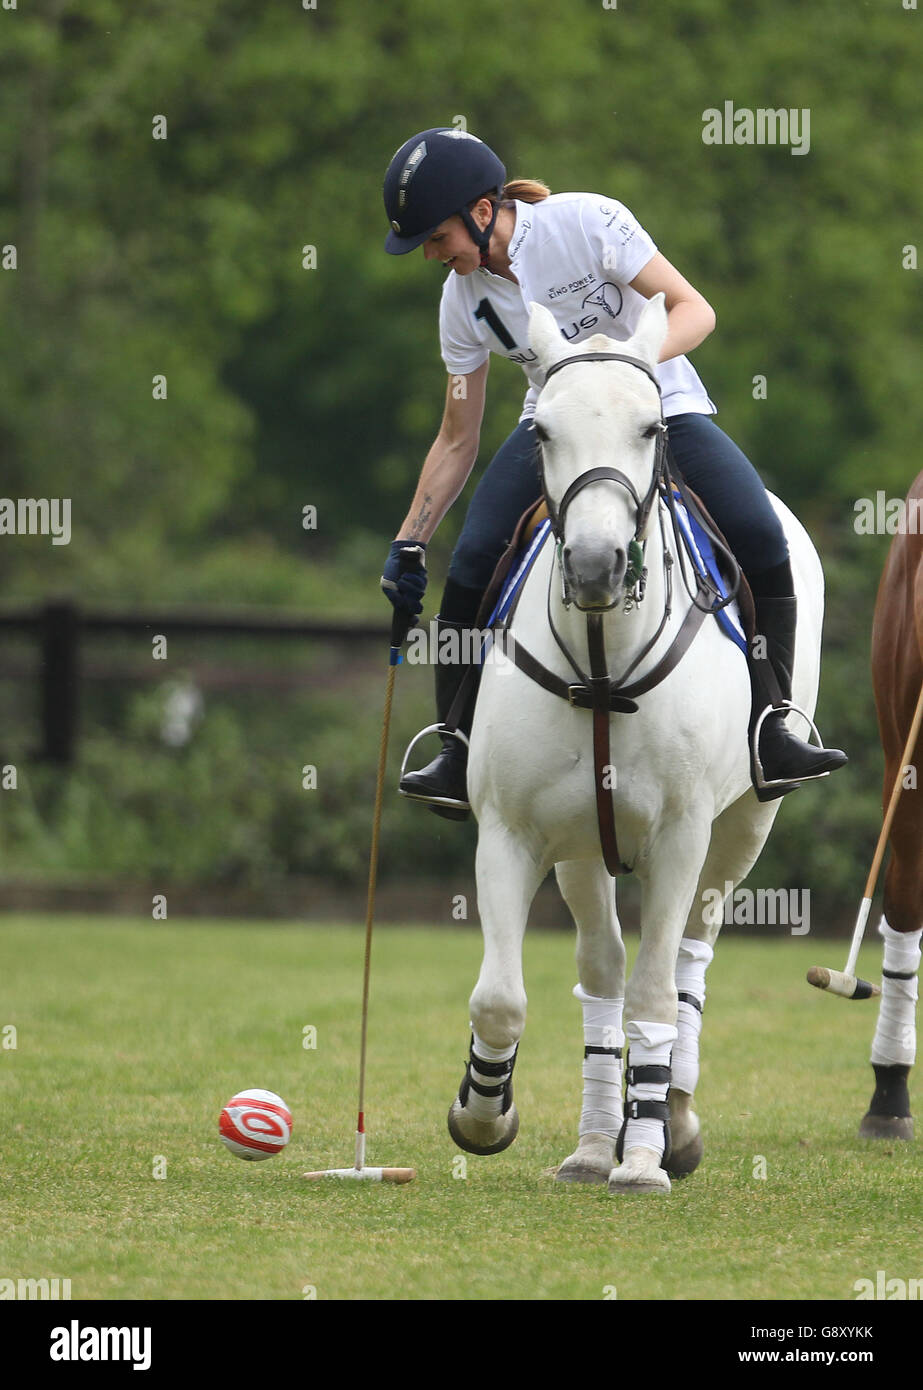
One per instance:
(616,238)
(461,350)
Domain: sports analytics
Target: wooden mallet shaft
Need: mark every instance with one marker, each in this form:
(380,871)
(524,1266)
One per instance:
(845,982)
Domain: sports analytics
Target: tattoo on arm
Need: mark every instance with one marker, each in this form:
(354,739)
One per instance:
(422,517)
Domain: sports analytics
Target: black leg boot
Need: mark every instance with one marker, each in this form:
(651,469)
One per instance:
(442,784)
(779,760)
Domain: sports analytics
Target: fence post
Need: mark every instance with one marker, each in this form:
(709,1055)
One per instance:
(59,677)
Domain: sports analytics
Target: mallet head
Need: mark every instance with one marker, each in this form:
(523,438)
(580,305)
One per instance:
(398,1175)
(838,982)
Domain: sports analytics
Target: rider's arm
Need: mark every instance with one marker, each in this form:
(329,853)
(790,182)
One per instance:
(690,317)
(451,457)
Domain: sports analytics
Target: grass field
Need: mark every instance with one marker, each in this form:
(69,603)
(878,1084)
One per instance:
(130,1037)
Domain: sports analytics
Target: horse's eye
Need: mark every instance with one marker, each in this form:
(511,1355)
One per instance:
(651,431)
(541,432)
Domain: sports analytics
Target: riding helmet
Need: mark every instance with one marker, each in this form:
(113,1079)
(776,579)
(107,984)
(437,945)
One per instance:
(433,176)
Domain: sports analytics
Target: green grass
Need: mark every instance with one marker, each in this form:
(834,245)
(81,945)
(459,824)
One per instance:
(131,1036)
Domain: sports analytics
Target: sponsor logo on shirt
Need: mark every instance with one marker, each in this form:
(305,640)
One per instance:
(556,291)
(626,229)
(579,326)
(526,228)
(607,297)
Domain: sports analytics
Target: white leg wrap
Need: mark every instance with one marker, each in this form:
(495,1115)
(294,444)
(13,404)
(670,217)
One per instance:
(602,1075)
(486,1107)
(895,1040)
(693,961)
(649,1044)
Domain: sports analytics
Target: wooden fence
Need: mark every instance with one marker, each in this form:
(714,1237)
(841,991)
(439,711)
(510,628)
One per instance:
(59,629)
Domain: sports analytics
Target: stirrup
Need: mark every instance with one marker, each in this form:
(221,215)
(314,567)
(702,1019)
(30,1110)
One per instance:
(431,729)
(448,807)
(759,780)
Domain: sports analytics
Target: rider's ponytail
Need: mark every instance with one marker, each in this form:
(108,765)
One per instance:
(525,191)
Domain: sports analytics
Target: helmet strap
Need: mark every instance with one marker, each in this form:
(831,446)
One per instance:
(480,238)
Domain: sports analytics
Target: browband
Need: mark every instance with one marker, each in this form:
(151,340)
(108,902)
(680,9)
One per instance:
(603,357)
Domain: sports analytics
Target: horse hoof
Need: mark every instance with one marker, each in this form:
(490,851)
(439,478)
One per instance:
(685,1159)
(639,1174)
(886,1126)
(482,1136)
(591,1162)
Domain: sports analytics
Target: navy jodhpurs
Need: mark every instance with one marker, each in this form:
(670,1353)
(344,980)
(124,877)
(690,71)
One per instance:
(711,463)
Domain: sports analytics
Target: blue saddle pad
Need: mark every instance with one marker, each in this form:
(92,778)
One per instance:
(701,553)
(517,575)
(703,557)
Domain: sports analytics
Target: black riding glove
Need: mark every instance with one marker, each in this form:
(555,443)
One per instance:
(405,590)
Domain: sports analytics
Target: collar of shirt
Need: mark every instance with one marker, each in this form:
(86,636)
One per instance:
(521,229)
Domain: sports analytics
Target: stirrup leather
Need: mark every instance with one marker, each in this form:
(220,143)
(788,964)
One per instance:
(759,779)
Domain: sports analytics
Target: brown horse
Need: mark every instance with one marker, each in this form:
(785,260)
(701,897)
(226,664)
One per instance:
(897,676)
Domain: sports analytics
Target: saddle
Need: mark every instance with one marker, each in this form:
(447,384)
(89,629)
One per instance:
(526,527)
(537,512)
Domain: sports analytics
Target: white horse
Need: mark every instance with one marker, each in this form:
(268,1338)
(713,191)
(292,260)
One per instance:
(686,818)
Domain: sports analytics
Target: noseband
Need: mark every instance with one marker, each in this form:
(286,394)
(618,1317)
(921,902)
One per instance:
(558,515)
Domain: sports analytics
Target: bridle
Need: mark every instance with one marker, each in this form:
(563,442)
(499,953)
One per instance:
(558,514)
(597,690)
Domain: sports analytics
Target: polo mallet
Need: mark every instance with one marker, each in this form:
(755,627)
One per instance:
(845,982)
(410,558)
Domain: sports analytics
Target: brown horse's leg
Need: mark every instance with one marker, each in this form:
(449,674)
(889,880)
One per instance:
(898,673)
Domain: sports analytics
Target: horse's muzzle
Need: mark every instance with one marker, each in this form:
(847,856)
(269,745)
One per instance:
(593,575)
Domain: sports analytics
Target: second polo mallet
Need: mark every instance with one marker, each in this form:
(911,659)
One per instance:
(845,982)
(410,559)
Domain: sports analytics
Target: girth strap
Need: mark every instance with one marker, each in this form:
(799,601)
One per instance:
(572,692)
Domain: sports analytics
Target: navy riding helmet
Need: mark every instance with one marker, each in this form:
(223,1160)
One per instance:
(433,176)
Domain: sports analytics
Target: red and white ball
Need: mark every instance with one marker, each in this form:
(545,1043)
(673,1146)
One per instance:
(255,1124)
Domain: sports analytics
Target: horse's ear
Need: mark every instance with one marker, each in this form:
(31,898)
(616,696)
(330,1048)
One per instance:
(545,336)
(647,339)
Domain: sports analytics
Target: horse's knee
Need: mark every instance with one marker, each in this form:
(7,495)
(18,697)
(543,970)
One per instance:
(498,1016)
(601,964)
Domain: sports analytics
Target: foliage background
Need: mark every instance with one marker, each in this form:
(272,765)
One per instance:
(289,386)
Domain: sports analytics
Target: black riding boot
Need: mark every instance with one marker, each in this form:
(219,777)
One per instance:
(442,784)
(781,760)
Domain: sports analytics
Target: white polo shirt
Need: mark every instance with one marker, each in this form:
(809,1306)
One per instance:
(575,253)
